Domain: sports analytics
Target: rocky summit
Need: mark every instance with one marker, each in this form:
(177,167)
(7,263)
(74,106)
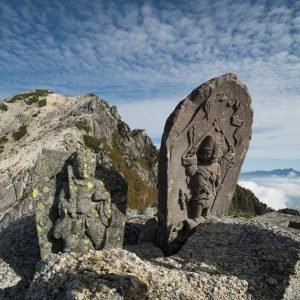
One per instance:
(237,259)
(40,119)
(72,160)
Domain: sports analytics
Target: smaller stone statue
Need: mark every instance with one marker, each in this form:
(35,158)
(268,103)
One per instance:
(77,206)
(84,207)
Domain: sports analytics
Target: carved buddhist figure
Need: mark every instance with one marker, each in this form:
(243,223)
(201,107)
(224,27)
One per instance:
(84,207)
(204,144)
(204,171)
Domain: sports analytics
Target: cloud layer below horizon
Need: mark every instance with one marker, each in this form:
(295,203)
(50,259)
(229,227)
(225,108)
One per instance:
(146,56)
(277,192)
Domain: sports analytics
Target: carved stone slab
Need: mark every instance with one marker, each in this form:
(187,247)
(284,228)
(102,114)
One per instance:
(75,209)
(203,147)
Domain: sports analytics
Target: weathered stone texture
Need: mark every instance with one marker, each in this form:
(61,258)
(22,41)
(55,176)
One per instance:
(249,261)
(74,210)
(203,147)
(66,124)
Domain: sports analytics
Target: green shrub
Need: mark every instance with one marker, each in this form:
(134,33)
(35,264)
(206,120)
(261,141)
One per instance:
(42,92)
(3,107)
(91,142)
(3,140)
(31,100)
(22,130)
(33,96)
(289,211)
(16,98)
(42,103)
(245,204)
(82,126)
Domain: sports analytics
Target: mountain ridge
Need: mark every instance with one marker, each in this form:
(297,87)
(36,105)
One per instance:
(40,119)
(37,119)
(290,172)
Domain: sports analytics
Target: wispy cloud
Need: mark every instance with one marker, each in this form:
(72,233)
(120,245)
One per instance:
(132,51)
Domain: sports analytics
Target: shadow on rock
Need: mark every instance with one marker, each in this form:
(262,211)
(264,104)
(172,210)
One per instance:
(87,284)
(264,256)
(19,249)
(131,233)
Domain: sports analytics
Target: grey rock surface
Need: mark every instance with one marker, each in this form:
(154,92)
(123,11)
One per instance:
(286,221)
(238,259)
(18,210)
(135,224)
(204,144)
(47,180)
(119,274)
(265,256)
(76,211)
(67,124)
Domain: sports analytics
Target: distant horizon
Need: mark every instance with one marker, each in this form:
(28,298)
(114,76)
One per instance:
(281,169)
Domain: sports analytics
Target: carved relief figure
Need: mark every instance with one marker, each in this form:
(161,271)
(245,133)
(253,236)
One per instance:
(204,171)
(203,147)
(206,163)
(84,207)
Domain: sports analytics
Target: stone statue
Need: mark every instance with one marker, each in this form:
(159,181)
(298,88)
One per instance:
(204,143)
(84,207)
(77,206)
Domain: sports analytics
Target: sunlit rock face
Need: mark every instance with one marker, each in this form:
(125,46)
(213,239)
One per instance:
(41,119)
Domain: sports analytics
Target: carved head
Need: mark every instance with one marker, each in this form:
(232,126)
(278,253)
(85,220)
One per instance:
(206,150)
(85,164)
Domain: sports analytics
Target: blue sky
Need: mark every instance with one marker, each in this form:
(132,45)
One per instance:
(145,56)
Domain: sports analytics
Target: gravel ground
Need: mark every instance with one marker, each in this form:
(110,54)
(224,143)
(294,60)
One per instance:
(228,258)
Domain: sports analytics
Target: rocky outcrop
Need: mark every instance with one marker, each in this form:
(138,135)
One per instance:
(266,257)
(119,274)
(245,204)
(40,119)
(286,221)
(224,259)
(230,258)
(19,254)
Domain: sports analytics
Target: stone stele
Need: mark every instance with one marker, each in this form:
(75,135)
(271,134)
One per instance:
(204,144)
(75,209)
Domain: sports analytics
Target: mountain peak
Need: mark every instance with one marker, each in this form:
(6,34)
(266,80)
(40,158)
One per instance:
(41,119)
(288,172)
